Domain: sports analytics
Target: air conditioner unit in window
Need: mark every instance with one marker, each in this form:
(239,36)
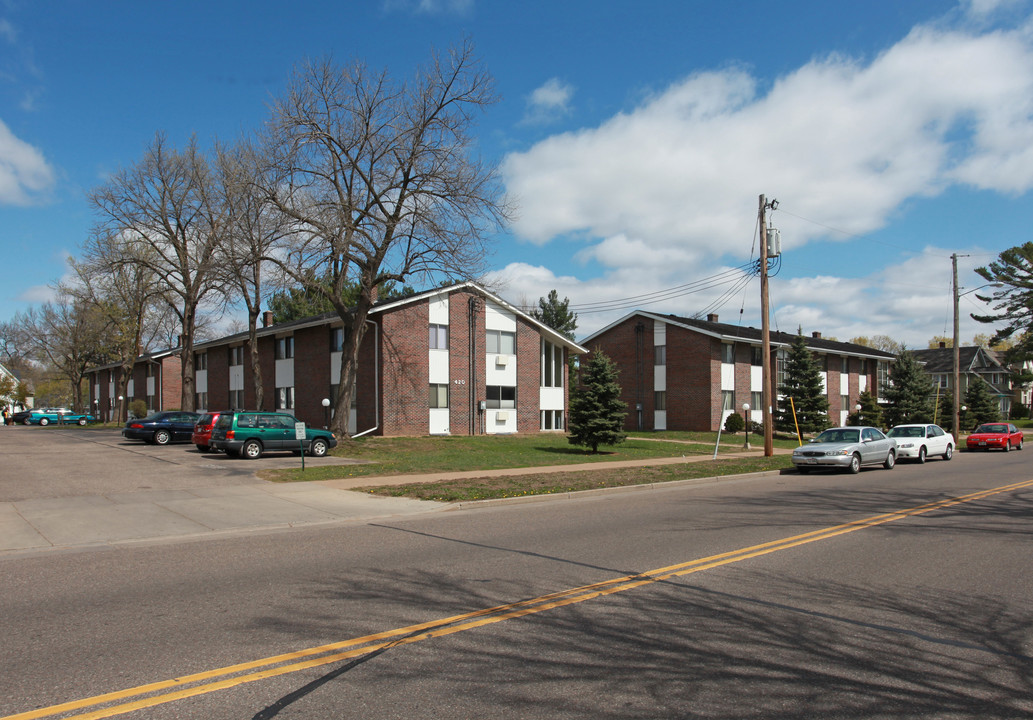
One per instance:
(502,416)
(501,360)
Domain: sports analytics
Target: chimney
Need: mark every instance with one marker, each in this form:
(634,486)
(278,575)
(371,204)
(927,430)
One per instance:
(942,344)
(267,318)
(374,294)
(712,317)
(816,335)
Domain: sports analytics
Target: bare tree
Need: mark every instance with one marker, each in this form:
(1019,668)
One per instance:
(69,337)
(252,230)
(129,297)
(379,181)
(162,211)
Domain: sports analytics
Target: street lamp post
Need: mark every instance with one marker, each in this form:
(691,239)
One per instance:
(746,417)
(120,399)
(326,413)
(857,408)
(956,351)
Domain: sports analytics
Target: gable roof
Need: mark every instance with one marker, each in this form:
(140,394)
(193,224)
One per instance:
(380,308)
(971,358)
(735,333)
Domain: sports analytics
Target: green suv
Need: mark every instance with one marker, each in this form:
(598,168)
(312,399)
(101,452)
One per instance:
(249,434)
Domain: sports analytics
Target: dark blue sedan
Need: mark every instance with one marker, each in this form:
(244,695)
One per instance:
(162,428)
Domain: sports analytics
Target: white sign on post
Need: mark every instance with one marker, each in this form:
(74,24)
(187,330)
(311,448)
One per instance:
(299,431)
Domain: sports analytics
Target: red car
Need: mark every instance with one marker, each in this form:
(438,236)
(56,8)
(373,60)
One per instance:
(203,431)
(1004,436)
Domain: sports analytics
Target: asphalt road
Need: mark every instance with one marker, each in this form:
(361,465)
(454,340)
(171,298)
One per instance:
(757,598)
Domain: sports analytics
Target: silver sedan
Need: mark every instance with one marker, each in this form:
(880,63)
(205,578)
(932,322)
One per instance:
(846,448)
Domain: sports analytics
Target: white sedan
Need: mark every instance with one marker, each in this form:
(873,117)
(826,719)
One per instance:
(918,442)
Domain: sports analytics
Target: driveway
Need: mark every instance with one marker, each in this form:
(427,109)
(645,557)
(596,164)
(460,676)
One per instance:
(54,462)
(73,487)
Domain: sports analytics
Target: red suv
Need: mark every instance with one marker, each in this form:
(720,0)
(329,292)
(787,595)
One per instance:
(203,432)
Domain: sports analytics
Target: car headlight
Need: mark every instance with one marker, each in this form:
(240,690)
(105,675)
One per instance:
(906,445)
(838,452)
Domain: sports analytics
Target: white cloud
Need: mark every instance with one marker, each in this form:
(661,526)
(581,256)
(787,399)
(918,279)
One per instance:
(842,141)
(24,173)
(549,102)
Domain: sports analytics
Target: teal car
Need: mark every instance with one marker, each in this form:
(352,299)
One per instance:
(249,434)
(58,416)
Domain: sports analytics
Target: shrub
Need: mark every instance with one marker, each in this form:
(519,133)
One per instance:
(734,423)
(138,408)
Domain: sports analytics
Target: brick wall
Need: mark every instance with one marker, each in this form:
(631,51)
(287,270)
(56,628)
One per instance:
(405,370)
(529,373)
(171,392)
(630,345)
(311,373)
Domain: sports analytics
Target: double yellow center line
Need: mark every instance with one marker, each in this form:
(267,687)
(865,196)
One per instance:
(166,691)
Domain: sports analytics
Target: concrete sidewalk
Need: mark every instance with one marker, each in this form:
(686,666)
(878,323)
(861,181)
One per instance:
(55,523)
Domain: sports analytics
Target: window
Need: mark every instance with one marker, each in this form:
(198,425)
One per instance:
(150,402)
(336,339)
(501,396)
(201,362)
(756,400)
(501,342)
(844,402)
(438,337)
(864,366)
(285,347)
(844,364)
(438,395)
(660,400)
(202,400)
(552,419)
(882,377)
(150,370)
(727,400)
(237,355)
(285,398)
(728,353)
(552,364)
(756,356)
(236,399)
(659,354)
(780,367)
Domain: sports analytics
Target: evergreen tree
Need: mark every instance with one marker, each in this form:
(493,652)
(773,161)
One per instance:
(596,410)
(982,404)
(302,302)
(910,392)
(803,384)
(870,414)
(556,315)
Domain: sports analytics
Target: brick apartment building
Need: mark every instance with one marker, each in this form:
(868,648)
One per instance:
(157,379)
(455,360)
(684,374)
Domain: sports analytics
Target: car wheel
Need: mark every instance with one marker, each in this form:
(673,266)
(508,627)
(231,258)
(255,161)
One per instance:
(44,421)
(1019,446)
(162,437)
(921,455)
(891,460)
(317,448)
(252,450)
(1007,446)
(855,464)
(26,422)
(949,452)
(202,448)
(82,421)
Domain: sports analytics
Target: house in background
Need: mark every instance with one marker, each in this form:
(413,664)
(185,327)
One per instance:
(974,361)
(457,360)
(685,374)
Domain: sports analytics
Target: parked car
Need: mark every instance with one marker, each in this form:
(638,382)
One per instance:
(249,434)
(22,416)
(918,442)
(846,448)
(58,416)
(163,427)
(995,435)
(202,434)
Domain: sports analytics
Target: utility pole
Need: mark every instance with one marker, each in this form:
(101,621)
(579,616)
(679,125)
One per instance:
(767,376)
(956,415)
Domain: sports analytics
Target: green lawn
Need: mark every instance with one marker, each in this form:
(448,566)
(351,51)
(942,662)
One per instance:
(415,455)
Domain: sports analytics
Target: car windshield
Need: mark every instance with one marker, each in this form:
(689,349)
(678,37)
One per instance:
(992,429)
(839,436)
(907,432)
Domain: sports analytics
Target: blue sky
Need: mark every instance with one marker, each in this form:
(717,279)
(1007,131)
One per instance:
(635,137)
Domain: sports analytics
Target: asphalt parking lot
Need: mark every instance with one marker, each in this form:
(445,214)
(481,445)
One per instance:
(63,487)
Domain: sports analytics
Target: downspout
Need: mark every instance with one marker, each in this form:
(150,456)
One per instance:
(474,408)
(376,380)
